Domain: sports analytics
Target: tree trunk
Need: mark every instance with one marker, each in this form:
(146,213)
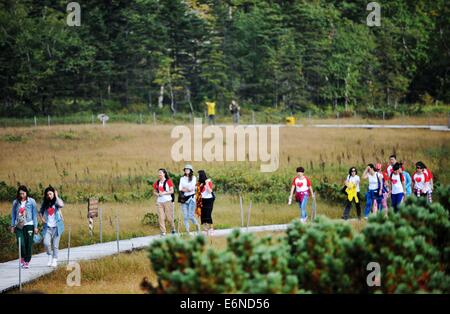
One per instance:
(161,97)
(188,98)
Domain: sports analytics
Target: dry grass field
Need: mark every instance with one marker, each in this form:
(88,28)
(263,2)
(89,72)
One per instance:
(87,159)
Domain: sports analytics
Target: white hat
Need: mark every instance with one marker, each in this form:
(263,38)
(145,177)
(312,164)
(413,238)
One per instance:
(188,166)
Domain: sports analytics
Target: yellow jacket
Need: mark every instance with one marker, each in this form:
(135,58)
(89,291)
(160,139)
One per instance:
(351,192)
(211,108)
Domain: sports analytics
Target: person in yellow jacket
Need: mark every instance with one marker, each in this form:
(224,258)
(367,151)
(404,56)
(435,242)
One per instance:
(352,191)
(211,105)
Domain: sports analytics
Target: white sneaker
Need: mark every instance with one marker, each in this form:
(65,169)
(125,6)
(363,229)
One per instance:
(50,259)
(55,262)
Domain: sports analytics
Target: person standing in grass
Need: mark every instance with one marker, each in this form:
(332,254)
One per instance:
(303,189)
(375,189)
(408,179)
(53,221)
(398,188)
(187,186)
(421,181)
(24,223)
(353,195)
(428,173)
(163,190)
(211,106)
(392,162)
(385,188)
(235,111)
(205,188)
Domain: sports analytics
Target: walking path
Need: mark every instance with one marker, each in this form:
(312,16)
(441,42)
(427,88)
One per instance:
(9,271)
(357,126)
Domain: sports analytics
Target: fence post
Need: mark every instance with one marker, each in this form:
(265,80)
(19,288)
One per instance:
(248,216)
(20,266)
(154,118)
(190,117)
(309,114)
(35,121)
(242,211)
(48,120)
(448,125)
(383,115)
(92,118)
(68,247)
(117,231)
(253,117)
(101,225)
(140,118)
(205,115)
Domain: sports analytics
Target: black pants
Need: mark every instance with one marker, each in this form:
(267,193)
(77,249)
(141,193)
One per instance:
(348,205)
(207,207)
(26,241)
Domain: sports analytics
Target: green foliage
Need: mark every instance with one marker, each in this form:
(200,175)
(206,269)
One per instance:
(280,54)
(8,247)
(411,247)
(7,193)
(150,219)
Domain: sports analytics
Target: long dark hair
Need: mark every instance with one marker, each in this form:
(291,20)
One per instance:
(190,175)
(48,203)
(202,176)
(166,174)
(21,188)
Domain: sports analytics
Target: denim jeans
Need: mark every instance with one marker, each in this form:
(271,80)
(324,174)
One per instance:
(302,206)
(51,241)
(188,209)
(371,196)
(396,200)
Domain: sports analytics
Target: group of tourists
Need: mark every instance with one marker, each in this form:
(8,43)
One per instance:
(195,196)
(394,182)
(234,108)
(24,224)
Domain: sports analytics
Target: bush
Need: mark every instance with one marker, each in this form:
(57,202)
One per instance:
(8,247)
(411,247)
(7,192)
(150,219)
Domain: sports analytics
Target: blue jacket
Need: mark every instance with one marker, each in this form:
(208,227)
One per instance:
(408,182)
(59,222)
(30,208)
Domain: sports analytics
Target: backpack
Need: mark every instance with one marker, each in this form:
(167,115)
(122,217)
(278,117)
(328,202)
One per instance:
(165,189)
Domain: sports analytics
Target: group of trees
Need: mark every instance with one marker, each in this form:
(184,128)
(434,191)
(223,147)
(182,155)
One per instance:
(136,55)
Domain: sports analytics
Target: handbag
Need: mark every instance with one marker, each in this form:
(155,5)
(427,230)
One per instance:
(20,223)
(181,198)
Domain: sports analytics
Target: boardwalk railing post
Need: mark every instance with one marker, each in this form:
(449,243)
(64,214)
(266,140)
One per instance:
(242,211)
(48,120)
(92,119)
(20,265)
(248,215)
(68,247)
(101,225)
(117,232)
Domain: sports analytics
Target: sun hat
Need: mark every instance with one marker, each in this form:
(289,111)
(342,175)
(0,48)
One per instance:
(188,166)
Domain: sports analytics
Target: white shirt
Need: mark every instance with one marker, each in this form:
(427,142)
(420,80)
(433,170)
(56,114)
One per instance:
(301,185)
(185,184)
(373,181)
(24,214)
(51,219)
(355,180)
(166,197)
(397,186)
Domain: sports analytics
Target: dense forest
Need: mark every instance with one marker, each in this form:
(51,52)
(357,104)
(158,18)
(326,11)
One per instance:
(144,55)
